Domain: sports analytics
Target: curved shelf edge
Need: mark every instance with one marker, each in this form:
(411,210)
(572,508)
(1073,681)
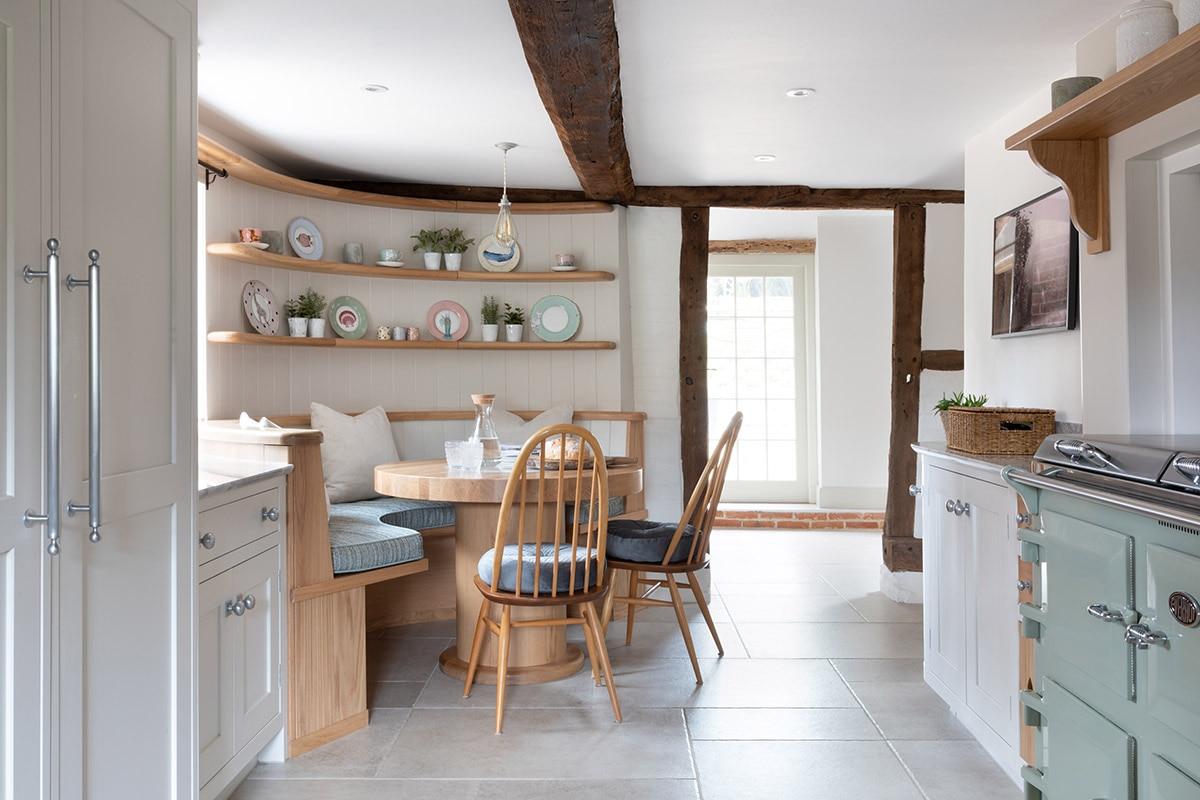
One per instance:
(244,338)
(249,255)
(246,170)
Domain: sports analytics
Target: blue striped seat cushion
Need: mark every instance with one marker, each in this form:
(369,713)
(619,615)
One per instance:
(379,533)
(530,557)
(616,507)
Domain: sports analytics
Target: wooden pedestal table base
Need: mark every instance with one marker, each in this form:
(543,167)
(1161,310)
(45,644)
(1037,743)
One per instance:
(536,655)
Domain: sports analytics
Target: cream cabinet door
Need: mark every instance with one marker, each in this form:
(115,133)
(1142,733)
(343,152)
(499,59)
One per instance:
(946,543)
(257,698)
(216,640)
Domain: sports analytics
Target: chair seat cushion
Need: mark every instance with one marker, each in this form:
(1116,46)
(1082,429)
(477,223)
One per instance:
(379,533)
(585,561)
(645,541)
(616,507)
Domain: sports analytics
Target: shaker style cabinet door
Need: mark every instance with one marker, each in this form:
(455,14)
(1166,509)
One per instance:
(257,694)
(215,670)
(946,546)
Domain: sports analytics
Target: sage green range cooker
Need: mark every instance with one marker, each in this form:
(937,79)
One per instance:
(1114,537)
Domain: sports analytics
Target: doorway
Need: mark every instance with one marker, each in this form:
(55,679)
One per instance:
(759,336)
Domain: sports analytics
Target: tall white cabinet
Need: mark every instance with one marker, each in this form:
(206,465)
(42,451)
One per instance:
(969,532)
(99,155)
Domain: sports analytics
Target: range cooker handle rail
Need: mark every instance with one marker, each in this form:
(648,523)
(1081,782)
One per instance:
(1077,450)
(1189,467)
(1019,479)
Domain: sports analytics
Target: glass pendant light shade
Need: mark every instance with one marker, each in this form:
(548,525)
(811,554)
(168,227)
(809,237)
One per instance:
(506,229)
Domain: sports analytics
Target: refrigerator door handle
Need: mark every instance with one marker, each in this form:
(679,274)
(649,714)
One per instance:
(49,518)
(92,506)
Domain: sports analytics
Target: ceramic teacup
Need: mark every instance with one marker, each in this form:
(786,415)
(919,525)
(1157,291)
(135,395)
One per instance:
(389,254)
(249,234)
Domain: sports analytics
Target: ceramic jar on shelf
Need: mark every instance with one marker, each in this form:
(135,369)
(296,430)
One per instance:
(1189,14)
(1144,26)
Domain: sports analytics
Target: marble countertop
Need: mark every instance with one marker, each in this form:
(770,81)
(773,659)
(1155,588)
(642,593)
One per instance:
(226,474)
(991,463)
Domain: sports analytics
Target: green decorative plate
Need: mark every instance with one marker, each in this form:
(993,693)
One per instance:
(347,317)
(554,318)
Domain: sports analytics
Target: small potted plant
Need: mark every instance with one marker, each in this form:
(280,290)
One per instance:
(514,323)
(957,400)
(490,313)
(297,322)
(454,245)
(312,307)
(431,242)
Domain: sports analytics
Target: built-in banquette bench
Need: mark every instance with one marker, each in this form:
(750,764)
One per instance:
(332,599)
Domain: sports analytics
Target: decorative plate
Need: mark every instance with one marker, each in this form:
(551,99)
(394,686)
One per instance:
(305,239)
(554,318)
(260,307)
(348,317)
(447,321)
(495,257)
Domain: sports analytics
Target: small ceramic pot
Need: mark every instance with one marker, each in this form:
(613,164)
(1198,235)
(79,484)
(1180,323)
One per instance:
(398,333)
(1189,14)
(454,261)
(352,252)
(1067,89)
(297,326)
(316,328)
(274,240)
(389,254)
(1144,27)
(248,235)
(413,333)
(383,333)
(513,333)
(433,261)
(565,259)
(490,332)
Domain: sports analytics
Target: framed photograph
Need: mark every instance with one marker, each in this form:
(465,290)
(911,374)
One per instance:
(1035,268)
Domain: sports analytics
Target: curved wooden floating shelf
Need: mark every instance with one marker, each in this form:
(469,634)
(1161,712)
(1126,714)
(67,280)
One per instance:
(241,337)
(250,255)
(244,169)
(1071,142)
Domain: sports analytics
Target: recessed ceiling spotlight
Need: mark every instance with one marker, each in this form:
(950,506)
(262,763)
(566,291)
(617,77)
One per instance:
(765,157)
(375,88)
(802,91)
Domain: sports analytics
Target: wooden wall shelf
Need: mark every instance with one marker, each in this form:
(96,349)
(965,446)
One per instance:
(1071,142)
(216,155)
(243,338)
(249,255)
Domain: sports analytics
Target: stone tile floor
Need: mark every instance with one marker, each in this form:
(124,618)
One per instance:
(819,696)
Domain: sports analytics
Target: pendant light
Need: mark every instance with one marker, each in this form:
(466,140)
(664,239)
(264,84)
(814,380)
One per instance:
(506,230)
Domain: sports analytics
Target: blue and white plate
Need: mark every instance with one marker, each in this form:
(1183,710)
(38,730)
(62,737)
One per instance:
(305,239)
(554,318)
(496,257)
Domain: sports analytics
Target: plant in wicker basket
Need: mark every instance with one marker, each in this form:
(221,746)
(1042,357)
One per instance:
(992,431)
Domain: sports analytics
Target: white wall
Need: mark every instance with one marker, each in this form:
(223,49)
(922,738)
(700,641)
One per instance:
(942,320)
(854,341)
(654,236)
(1041,370)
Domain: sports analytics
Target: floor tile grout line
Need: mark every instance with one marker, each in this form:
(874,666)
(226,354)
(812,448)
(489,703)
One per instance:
(687,730)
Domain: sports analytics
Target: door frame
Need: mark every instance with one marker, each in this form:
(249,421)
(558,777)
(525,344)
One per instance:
(801,267)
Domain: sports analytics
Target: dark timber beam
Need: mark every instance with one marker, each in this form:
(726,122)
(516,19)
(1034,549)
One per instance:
(901,550)
(942,360)
(444,191)
(789,197)
(755,246)
(693,345)
(571,47)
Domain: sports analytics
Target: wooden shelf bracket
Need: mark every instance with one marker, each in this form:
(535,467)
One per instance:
(1082,166)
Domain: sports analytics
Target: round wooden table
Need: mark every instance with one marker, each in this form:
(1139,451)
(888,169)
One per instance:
(536,655)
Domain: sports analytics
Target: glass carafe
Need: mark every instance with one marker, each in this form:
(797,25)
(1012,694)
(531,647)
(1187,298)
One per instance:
(485,429)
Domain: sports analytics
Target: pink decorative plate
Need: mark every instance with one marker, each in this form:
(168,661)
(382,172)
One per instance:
(447,321)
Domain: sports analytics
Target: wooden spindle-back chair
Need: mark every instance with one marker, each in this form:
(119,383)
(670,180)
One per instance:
(698,515)
(568,562)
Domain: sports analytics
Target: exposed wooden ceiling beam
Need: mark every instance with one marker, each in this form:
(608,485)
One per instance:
(789,197)
(571,47)
(737,246)
(445,191)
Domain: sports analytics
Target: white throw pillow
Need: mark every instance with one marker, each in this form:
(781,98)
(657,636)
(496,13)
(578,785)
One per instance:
(352,448)
(513,430)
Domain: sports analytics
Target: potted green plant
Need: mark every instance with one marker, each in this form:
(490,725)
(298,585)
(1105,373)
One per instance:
(296,321)
(311,306)
(454,245)
(514,323)
(431,242)
(490,314)
(957,400)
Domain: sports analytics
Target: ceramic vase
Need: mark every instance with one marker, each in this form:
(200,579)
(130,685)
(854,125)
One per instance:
(454,261)
(513,333)
(433,261)
(1144,27)
(1067,89)
(274,240)
(490,332)
(316,328)
(352,252)
(297,326)
(1189,14)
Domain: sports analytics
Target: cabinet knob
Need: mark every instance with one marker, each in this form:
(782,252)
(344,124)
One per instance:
(914,490)
(1024,586)
(950,506)
(961,508)
(1024,520)
(208,541)
(270,514)
(249,602)
(235,607)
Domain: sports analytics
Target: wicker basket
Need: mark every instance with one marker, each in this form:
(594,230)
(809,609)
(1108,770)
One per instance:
(997,431)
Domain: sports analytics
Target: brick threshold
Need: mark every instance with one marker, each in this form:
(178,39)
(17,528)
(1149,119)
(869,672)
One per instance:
(800,519)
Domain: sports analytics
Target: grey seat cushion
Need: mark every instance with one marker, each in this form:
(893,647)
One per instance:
(529,555)
(379,533)
(646,542)
(616,507)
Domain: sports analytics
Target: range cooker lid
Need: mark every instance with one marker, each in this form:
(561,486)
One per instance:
(1140,459)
